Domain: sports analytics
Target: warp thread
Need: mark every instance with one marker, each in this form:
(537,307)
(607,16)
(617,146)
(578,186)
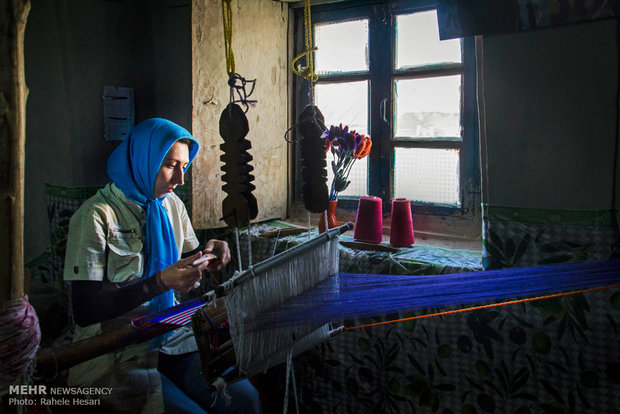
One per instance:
(347,296)
(264,348)
(290,372)
(20,336)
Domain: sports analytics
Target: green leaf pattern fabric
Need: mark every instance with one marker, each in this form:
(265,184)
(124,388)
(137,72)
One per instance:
(558,355)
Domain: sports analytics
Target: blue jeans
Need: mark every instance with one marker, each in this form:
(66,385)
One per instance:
(186,390)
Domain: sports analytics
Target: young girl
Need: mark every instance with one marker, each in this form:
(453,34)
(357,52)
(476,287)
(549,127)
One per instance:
(124,260)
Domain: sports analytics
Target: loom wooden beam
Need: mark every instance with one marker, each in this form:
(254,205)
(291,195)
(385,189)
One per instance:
(281,257)
(13,94)
(50,361)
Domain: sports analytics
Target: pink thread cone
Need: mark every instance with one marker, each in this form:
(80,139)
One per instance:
(401,228)
(369,220)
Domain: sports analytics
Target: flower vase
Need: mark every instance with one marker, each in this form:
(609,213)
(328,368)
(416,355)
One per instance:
(331,217)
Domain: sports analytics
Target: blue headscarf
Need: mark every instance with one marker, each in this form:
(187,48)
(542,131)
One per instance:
(133,167)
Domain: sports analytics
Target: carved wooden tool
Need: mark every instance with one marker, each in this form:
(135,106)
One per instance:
(239,206)
(313,164)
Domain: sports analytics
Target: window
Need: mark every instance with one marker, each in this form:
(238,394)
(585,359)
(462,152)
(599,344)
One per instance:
(384,72)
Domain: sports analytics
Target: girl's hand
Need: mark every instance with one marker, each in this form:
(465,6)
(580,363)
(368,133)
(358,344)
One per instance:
(220,249)
(182,275)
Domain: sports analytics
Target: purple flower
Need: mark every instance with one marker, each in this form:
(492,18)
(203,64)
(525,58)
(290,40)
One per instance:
(346,147)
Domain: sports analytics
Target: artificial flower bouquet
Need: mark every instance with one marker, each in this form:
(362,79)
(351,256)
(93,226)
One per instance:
(346,147)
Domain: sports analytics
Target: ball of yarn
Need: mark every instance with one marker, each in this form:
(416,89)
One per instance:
(20,336)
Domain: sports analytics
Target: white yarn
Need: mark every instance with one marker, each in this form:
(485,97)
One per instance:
(221,388)
(238,249)
(259,349)
(290,372)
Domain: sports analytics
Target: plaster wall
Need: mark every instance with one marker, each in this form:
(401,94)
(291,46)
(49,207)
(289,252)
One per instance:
(259,42)
(549,110)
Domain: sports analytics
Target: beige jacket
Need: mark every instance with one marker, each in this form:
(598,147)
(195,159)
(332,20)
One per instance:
(105,241)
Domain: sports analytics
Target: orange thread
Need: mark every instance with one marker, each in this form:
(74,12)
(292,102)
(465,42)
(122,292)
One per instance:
(492,305)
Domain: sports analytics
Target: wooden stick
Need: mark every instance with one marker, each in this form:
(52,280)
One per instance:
(13,94)
(52,360)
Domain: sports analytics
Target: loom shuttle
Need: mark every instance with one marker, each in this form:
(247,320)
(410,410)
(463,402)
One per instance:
(206,257)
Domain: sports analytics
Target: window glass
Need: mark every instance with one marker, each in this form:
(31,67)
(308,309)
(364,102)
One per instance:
(410,100)
(342,47)
(418,44)
(346,103)
(427,175)
(428,107)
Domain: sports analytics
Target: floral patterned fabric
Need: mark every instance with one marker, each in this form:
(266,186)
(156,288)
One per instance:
(416,260)
(531,236)
(549,356)
(558,355)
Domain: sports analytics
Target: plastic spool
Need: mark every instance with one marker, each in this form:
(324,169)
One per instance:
(401,228)
(369,220)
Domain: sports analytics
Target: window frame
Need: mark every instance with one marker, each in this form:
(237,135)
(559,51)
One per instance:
(381,77)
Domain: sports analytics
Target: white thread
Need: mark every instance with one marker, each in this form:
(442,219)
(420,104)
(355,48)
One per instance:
(325,218)
(275,243)
(238,249)
(258,347)
(290,373)
(289,362)
(249,246)
(294,385)
(221,387)
(392,260)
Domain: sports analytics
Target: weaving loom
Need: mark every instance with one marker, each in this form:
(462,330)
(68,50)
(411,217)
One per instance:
(248,294)
(263,286)
(282,306)
(296,312)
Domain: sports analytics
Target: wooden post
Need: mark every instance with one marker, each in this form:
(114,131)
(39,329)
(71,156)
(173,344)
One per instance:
(13,94)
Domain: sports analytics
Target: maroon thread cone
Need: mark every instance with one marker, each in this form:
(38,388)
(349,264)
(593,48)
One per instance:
(401,228)
(369,220)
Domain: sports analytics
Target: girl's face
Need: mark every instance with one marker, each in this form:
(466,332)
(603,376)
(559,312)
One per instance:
(172,169)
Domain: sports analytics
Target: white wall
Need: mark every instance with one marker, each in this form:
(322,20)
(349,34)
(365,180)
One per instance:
(260,44)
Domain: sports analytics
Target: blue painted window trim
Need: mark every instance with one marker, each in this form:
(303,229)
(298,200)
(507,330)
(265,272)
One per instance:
(381,75)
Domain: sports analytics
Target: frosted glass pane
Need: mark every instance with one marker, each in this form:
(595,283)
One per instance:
(428,107)
(427,175)
(358,177)
(342,47)
(418,44)
(346,103)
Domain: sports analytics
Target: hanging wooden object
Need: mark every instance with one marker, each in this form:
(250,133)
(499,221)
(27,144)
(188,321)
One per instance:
(313,159)
(240,205)
(13,94)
